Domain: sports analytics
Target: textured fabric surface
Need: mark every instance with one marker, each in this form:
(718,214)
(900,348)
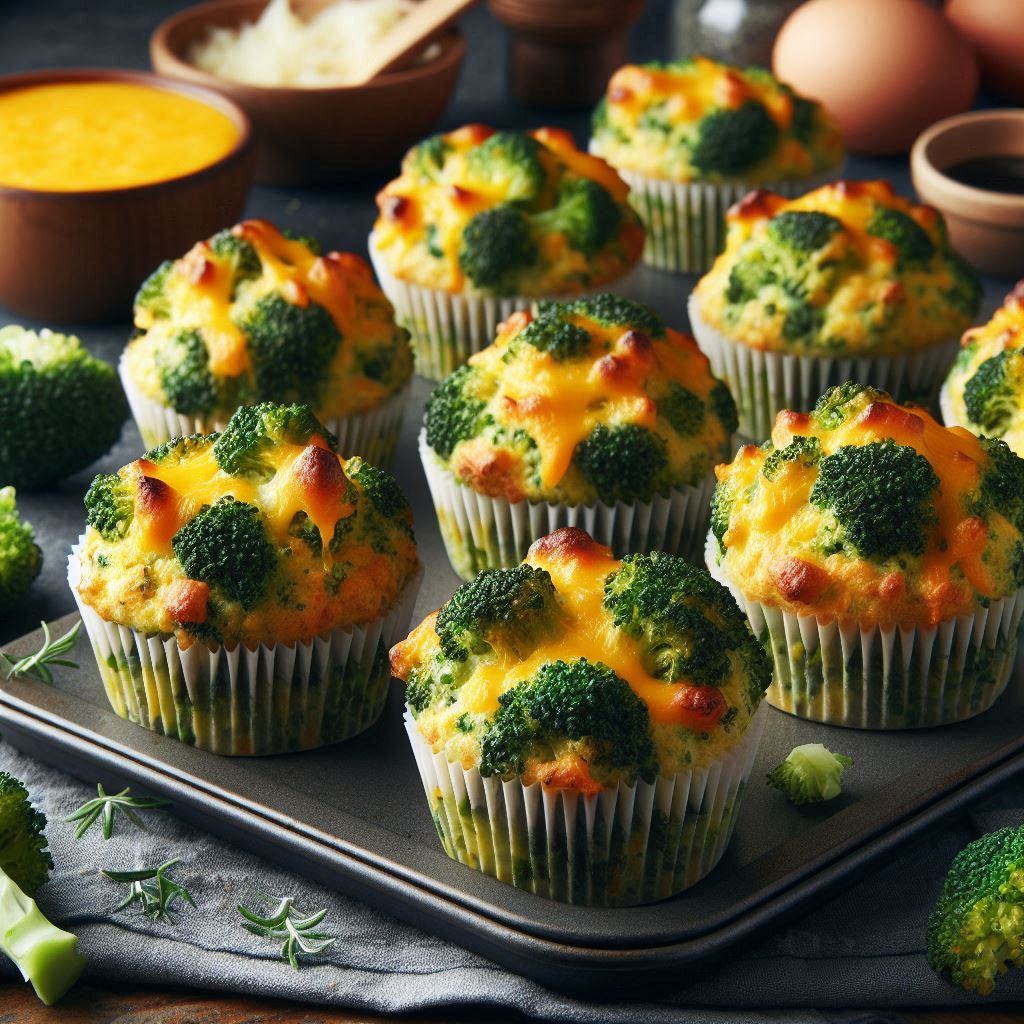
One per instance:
(864,948)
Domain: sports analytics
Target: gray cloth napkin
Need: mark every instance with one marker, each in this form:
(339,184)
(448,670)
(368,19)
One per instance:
(862,949)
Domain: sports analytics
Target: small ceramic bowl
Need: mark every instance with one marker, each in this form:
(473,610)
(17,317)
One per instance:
(317,134)
(79,257)
(985,226)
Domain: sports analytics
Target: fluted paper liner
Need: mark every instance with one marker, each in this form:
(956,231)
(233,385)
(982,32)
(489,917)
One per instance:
(877,678)
(623,846)
(271,700)
(372,434)
(949,417)
(763,383)
(481,532)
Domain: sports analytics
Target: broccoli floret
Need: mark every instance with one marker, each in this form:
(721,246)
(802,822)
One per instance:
(254,430)
(803,320)
(110,506)
(965,291)
(551,332)
(570,701)
(291,346)
(311,243)
(991,394)
(238,253)
(178,449)
(623,463)
(510,163)
(428,157)
(495,244)
(683,409)
(21,558)
(1002,482)
(831,410)
(730,142)
(183,363)
(585,213)
(722,501)
(381,488)
(226,546)
(747,277)
(509,609)
(803,230)
(44,954)
(452,415)
(977,927)
(881,496)
(910,239)
(803,117)
(810,774)
(805,450)
(152,295)
(60,408)
(723,405)
(615,311)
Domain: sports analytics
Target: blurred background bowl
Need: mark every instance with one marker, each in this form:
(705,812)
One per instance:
(317,135)
(78,257)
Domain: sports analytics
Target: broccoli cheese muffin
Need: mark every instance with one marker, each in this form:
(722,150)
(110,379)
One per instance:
(848,281)
(984,391)
(882,554)
(585,727)
(241,589)
(591,413)
(690,138)
(252,315)
(480,223)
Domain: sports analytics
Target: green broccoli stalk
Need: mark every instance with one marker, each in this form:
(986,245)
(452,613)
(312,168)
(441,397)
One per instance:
(977,927)
(20,556)
(732,141)
(991,395)
(810,774)
(495,244)
(45,955)
(585,213)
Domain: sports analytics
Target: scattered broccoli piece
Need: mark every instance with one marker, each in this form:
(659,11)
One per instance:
(810,774)
(109,506)
(292,347)
(152,295)
(722,501)
(965,291)
(977,927)
(452,415)
(732,141)
(991,394)
(496,243)
(723,405)
(803,230)
(881,496)
(183,363)
(311,243)
(747,277)
(21,558)
(803,118)
(551,332)
(60,408)
(585,213)
(1002,482)
(254,430)
(622,463)
(178,449)
(238,253)
(805,450)
(45,955)
(506,608)
(381,488)
(615,311)
(803,320)
(831,410)
(510,163)
(910,239)
(570,701)
(428,157)
(226,546)
(683,409)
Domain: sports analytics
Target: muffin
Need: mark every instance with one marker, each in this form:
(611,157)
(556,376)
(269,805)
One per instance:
(692,137)
(984,391)
(850,281)
(591,413)
(218,613)
(481,223)
(585,727)
(882,555)
(254,315)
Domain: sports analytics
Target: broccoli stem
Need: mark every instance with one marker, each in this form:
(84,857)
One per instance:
(45,955)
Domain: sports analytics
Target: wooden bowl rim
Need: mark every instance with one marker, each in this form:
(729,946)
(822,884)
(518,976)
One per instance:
(211,97)
(452,42)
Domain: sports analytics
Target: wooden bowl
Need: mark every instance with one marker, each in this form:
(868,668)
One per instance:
(317,134)
(986,227)
(78,257)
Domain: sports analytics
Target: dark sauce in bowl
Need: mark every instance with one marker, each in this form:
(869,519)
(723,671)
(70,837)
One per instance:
(991,173)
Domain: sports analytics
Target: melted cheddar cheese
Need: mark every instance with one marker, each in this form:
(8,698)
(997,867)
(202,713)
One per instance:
(883,281)
(652,116)
(425,211)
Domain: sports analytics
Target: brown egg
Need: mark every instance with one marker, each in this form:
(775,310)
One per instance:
(996,30)
(884,69)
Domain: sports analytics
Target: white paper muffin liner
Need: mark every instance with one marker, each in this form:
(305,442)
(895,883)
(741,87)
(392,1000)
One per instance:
(481,532)
(763,383)
(623,846)
(372,434)
(875,678)
(685,221)
(949,417)
(271,700)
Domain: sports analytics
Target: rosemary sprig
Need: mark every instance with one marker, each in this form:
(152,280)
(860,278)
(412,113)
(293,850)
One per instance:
(152,890)
(293,926)
(107,805)
(51,653)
